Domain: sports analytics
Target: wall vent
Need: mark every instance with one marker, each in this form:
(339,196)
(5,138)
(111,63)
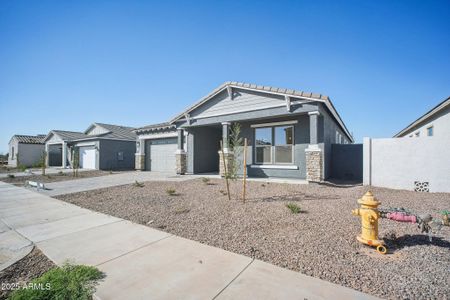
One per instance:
(421,186)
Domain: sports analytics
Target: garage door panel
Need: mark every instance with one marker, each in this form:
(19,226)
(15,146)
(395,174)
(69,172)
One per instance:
(161,155)
(87,157)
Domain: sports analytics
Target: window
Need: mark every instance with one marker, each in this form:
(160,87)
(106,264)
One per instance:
(12,152)
(417,133)
(120,156)
(274,145)
(430,131)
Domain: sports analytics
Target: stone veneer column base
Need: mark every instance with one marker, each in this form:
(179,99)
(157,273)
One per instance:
(139,161)
(181,166)
(314,164)
(228,160)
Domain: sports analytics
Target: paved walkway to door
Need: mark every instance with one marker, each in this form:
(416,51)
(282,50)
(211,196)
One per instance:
(144,263)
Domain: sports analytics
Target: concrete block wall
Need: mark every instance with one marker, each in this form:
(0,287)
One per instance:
(399,162)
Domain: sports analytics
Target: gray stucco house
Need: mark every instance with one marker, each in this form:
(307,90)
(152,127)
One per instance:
(25,150)
(436,122)
(100,146)
(289,133)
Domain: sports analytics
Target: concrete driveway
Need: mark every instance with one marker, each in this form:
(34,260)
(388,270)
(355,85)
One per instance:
(93,183)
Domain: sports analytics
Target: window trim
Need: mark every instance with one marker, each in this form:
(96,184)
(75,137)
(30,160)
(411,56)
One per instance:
(272,146)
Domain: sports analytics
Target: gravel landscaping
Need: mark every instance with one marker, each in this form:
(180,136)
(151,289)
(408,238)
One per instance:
(23,271)
(20,180)
(318,241)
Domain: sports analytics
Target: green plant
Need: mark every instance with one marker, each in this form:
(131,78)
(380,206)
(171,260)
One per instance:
(171,191)
(294,208)
(182,210)
(43,161)
(138,184)
(206,180)
(66,282)
(11,176)
(236,146)
(61,173)
(22,168)
(75,161)
(223,192)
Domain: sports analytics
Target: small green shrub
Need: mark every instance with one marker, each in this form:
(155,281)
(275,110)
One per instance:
(182,210)
(171,192)
(138,184)
(205,180)
(66,282)
(61,173)
(11,176)
(22,168)
(294,208)
(223,192)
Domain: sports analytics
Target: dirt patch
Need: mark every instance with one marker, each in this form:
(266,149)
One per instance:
(23,271)
(319,242)
(20,180)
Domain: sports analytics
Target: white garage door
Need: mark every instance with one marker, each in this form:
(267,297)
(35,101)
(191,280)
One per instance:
(162,155)
(87,157)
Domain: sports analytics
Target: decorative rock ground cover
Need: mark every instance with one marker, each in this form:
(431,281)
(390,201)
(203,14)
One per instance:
(319,241)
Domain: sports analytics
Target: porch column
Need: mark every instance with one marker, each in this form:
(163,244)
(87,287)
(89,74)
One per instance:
(225,132)
(226,157)
(314,155)
(46,155)
(139,156)
(180,154)
(64,155)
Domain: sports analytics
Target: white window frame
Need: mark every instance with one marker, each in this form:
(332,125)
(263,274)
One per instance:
(273,146)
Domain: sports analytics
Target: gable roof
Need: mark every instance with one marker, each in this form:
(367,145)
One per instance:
(116,132)
(424,117)
(270,90)
(67,136)
(30,139)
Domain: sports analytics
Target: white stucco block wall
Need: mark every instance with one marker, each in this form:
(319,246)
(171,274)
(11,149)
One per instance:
(398,163)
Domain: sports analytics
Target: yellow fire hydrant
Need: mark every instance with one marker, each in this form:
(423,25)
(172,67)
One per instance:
(369,222)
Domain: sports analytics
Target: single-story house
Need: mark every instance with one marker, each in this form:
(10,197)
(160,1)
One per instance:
(100,146)
(436,122)
(26,150)
(289,133)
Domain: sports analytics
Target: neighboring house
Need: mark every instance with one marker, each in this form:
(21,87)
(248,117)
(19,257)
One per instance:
(435,122)
(100,146)
(289,133)
(25,150)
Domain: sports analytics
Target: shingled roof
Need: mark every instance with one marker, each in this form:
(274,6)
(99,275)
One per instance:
(117,132)
(30,139)
(272,90)
(67,135)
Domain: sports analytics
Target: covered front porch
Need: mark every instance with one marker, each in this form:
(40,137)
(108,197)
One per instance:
(288,147)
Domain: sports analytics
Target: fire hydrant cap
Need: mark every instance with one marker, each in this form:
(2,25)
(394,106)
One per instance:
(369,199)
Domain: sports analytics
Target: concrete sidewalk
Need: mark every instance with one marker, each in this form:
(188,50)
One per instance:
(93,183)
(144,263)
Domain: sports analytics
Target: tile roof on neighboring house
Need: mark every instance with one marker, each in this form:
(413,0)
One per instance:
(271,90)
(116,132)
(30,139)
(155,127)
(424,117)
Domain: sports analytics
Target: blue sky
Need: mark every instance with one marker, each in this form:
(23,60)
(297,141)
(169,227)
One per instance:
(383,63)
